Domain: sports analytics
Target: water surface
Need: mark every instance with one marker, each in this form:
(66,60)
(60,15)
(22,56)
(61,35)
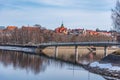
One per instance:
(22,66)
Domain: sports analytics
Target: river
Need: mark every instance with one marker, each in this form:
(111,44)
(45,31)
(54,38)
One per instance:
(23,66)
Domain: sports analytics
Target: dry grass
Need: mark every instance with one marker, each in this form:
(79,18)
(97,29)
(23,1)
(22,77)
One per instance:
(71,50)
(117,52)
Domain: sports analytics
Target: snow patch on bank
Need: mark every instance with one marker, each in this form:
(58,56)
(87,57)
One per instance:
(108,66)
(17,48)
(110,78)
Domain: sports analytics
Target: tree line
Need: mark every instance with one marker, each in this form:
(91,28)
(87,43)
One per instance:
(36,35)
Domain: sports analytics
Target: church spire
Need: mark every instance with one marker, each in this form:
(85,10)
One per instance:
(62,25)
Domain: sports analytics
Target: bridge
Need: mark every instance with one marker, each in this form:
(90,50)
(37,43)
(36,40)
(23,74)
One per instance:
(99,44)
(76,44)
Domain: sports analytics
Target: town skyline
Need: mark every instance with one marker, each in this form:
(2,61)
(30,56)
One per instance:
(60,25)
(50,13)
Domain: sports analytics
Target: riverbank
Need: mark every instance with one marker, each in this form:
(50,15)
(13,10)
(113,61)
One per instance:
(108,66)
(106,69)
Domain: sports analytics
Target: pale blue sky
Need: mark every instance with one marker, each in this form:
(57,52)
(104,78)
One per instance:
(88,14)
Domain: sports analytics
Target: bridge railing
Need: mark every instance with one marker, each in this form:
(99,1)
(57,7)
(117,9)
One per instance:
(81,44)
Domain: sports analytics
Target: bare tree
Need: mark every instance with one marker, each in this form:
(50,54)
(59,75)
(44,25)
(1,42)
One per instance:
(116,16)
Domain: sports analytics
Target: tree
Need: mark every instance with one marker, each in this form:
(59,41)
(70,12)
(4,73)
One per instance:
(116,16)
(97,29)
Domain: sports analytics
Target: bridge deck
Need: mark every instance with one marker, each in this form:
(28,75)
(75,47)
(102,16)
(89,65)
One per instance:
(99,44)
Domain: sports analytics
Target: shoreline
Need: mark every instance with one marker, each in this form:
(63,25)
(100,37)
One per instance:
(108,66)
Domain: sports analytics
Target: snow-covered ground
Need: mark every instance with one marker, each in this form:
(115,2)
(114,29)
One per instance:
(107,66)
(17,48)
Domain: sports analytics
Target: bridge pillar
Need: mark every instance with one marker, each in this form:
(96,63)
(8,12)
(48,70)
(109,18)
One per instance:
(56,51)
(76,53)
(105,51)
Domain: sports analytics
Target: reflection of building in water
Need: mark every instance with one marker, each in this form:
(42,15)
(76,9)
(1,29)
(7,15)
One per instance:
(23,61)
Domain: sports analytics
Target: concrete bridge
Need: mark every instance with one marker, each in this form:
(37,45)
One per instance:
(76,44)
(98,44)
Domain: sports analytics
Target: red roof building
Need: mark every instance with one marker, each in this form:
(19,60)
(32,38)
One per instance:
(61,29)
(91,32)
(11,27)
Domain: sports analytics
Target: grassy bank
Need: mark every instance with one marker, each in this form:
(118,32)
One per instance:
(71,50)
(117,52)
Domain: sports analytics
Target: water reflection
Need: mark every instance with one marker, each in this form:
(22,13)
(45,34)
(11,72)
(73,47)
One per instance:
(22,61)
(83,58)
(38,64)
(43,68)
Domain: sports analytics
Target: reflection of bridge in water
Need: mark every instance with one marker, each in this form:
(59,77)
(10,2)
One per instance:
(76,44)
(38,64)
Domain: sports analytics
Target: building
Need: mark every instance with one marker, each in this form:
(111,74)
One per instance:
(91,32)
(11,28)
(30,28)
(61,29)
(104,32)
(76,31)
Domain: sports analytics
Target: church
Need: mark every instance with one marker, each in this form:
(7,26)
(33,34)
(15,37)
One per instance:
(61,29)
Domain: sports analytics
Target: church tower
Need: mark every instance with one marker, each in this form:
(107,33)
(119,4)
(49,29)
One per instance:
(62,25)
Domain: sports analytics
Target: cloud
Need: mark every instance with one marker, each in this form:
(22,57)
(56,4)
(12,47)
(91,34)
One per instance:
(79,4)
(50,13)
(53,18)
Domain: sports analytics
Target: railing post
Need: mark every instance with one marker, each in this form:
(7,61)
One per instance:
(76,53)
(56,51)
(105,50)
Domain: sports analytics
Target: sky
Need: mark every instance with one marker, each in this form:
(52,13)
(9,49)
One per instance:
(87,14)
